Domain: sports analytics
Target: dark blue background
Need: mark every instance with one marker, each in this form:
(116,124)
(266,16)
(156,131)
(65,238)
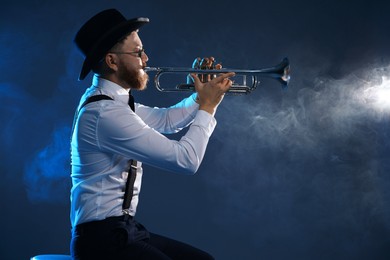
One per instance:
(296,174)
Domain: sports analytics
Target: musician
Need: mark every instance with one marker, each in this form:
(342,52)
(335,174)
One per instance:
(110,141)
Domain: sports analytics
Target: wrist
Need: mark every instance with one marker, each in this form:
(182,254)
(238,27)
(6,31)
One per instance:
(209,109)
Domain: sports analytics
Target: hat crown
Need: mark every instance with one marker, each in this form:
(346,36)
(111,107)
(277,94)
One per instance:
(95,28)
(100,33)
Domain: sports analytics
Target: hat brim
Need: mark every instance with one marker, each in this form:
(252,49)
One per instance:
(107,41)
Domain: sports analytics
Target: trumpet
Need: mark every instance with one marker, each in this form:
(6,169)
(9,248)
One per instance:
(244,81)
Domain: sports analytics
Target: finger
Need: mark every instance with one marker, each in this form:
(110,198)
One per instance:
(203,63)
(211,63)
(195,64)
(224,76)
(195,78)
(227,83)
(190,80)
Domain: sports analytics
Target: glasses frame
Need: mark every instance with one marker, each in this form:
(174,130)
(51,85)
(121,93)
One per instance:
(138,53)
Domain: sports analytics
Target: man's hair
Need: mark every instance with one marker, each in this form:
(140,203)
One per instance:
(101,67)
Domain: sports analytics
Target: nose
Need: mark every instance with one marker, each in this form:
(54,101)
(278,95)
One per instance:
(144,57)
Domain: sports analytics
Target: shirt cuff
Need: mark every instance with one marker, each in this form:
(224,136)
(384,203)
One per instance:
(206,121)
(190,104)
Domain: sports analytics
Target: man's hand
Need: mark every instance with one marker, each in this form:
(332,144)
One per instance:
(207,63)
(211,93)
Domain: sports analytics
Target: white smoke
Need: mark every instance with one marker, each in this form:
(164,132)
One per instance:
(320,145)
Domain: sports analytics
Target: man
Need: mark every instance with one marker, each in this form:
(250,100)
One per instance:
(108,137)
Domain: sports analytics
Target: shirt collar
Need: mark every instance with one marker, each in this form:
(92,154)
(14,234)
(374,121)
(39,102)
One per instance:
(109,88)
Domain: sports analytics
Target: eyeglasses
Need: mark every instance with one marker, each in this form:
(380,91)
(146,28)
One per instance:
(137,53)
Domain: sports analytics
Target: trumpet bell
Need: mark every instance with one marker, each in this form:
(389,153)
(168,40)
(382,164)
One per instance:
(244,81)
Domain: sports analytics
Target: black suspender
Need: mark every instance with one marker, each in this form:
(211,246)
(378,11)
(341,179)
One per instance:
(129,187)
(89,100)
(133,163)
(132,173)
(94,99)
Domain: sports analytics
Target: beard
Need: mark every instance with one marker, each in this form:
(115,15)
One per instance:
(134,78)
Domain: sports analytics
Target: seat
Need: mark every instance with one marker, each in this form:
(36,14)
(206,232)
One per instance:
(51,257)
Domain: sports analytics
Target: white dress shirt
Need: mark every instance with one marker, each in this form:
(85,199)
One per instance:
(107,134)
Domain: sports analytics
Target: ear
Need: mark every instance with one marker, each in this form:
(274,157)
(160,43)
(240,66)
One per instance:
(112,61)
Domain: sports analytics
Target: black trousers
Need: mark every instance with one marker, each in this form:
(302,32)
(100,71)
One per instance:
(124,238)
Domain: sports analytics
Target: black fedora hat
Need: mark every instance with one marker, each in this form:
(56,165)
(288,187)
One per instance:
(100,33)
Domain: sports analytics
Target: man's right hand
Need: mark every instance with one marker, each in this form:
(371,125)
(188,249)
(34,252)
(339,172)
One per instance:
(211,93)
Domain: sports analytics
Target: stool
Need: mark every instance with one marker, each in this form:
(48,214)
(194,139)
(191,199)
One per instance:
(51,257)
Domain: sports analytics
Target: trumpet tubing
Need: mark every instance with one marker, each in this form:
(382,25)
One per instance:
(244,81)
